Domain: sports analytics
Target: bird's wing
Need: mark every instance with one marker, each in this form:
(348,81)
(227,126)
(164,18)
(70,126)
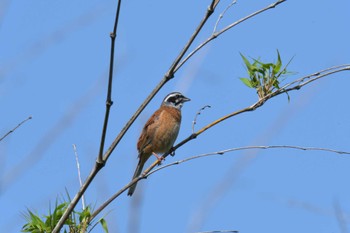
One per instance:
(148,130)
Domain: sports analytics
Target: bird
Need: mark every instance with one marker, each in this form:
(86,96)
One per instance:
(160,131)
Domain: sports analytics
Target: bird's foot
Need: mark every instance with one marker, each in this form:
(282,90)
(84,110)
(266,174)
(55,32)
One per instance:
(172,151)
(159,158)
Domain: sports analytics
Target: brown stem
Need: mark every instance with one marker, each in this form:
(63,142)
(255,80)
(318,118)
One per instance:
(99,162)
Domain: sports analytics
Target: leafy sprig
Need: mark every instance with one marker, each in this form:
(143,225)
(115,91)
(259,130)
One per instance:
(264,77)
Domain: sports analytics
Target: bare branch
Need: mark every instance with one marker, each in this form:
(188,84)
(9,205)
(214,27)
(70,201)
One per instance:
(214,4)
(12,130)
(222,14)
(217,34)
(197,114)
(109,101)
(79,175)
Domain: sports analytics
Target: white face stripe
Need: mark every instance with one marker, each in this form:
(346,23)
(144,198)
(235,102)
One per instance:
(174,99)
(172,95)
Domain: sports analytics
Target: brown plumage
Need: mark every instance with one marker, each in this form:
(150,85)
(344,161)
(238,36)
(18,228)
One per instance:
(160,131)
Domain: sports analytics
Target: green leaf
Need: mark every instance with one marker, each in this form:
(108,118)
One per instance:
(85,215)
(278,64)
(247,82)
(104,224)
(249,66)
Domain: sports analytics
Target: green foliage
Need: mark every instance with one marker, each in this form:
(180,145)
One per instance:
(78,222)
(264,77)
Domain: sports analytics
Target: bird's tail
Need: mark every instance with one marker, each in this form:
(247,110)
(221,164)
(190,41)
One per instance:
(136,174)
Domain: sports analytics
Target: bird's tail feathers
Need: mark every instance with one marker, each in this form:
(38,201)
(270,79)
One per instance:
(136,174)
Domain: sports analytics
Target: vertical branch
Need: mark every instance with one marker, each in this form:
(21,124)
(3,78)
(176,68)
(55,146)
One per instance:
(99,162)
(109,101)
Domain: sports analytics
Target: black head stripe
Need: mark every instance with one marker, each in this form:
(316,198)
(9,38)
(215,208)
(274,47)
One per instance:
(172,97)
(175,99)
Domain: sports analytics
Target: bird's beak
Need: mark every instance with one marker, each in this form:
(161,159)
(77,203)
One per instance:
(185,99)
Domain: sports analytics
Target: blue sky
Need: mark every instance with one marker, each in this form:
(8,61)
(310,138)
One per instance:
(54,58)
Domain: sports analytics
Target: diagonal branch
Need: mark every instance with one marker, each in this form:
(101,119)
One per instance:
(219,33)
(12,130)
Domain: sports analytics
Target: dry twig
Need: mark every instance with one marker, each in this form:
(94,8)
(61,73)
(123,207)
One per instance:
(12,130)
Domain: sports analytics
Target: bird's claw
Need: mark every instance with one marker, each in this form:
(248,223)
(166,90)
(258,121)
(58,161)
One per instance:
(159,158)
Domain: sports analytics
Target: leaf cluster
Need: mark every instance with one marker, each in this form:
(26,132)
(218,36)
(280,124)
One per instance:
(264,77)
(78,222)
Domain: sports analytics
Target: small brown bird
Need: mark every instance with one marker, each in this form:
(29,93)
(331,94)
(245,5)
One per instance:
(160,131)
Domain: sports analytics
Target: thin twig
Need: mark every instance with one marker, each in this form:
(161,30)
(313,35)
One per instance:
(12,130)
(148,171)
(79,175)
(222,14)
(217,34)
(194,122)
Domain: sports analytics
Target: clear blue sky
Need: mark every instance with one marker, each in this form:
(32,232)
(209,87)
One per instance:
(54,57)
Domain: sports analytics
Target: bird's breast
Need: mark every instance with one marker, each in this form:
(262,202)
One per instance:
(167,130)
